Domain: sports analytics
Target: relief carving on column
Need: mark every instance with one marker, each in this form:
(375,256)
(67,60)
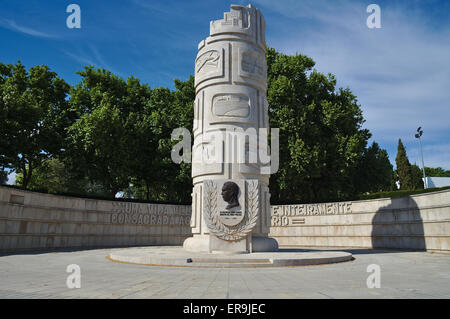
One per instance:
(212,211)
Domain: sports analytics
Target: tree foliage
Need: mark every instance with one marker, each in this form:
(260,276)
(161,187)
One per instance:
(436,172)
(409,176)
(3,176)
(403,167)
(114,135)
(375,172)
(54,177)
(34,114)
(122,139)
(156,176)
(417,177)
(321,135)
(101,143)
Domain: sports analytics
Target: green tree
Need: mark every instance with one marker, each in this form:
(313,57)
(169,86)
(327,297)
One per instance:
(150,126)
(417,177)
(115,142)
(97,142)
(117,135)
(375,172)
(156,176)
(34,113)
(404,172)
(321,135)
(5,124)
(122,140)
(53,177)
(3,177)
(437,172)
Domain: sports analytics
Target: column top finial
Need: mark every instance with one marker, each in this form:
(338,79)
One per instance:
(240,19)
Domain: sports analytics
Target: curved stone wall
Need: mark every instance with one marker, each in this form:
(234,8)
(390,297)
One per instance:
(32,221)
(419,222)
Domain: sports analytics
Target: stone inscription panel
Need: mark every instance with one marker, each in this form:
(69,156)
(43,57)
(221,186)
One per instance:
(148,214)
(291,215)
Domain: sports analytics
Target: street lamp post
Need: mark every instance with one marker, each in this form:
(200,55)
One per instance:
(418,135)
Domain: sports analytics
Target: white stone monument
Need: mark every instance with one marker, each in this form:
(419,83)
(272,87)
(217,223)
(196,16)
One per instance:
(231,199)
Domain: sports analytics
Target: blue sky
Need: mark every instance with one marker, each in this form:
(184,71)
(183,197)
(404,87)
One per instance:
(400,73)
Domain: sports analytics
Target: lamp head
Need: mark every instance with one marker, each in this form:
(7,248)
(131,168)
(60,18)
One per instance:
(419,132)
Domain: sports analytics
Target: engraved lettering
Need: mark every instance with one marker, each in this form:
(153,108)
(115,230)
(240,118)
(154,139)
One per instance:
(302,210)
(275,221)
(348,208)
(322,209)
(275,210)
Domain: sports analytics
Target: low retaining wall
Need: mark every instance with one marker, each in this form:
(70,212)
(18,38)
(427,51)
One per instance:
(419,222)
(33,221)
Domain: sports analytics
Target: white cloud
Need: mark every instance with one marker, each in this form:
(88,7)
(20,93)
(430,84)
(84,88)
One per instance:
(433,155)
(400,72)
(90,56)
(12,25)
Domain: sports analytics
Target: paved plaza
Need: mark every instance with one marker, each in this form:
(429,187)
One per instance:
(403,275)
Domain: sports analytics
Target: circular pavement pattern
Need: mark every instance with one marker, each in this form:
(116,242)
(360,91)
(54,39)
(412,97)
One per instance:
(177,256)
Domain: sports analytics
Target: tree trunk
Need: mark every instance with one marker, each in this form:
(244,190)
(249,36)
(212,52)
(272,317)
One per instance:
(147,190)
(114,191)
(26,174)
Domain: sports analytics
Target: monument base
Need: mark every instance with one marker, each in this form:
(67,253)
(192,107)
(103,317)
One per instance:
(198,243)
(217,245)
(264,244)
(203,243)
(177,256)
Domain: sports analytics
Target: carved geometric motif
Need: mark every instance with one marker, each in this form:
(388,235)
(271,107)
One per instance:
(231,105)
(207,62)
(252,66)
(209,65)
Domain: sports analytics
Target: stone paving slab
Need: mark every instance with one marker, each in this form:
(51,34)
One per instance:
(403,275)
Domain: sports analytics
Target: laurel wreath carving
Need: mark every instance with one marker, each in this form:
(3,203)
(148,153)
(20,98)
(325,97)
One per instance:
(231,232)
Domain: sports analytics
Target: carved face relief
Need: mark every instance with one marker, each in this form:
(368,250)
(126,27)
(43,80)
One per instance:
(230,192)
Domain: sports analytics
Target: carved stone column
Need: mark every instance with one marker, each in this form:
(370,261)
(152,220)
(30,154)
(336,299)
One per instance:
(231,199)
